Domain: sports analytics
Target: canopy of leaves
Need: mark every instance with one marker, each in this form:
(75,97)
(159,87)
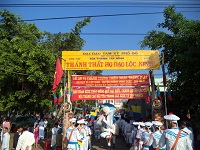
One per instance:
(27,63)
(181,50)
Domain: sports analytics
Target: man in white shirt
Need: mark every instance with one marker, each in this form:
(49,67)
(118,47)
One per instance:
(5,139)
(26,140)
(54,132)
(173,137)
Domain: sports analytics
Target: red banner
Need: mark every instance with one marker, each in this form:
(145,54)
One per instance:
(120,80)
(107,93)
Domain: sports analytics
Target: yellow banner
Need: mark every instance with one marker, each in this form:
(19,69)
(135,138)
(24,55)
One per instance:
(111,60)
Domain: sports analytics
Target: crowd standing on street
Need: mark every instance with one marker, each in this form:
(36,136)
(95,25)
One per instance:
(138,135)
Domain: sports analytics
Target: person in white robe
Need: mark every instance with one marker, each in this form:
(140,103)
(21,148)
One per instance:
(127,132)
(88,133)
(136,127)
(41,129)
(146,136)
(155,137)
(5,139)
(185,129)
(72,136)
(115,133)
(26,140)
(97,130)
(137,144)
(169,135)
(54,131)
(83,134)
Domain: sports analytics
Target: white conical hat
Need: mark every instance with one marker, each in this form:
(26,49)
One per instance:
(172,117)
(148,124)
(72,120)
(157,123)
(82,121)
(141,124)
(135,123)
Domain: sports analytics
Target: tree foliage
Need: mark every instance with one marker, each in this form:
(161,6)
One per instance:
(181,49)
(27,62)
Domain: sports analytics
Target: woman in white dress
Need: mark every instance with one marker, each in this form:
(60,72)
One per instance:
(41,129)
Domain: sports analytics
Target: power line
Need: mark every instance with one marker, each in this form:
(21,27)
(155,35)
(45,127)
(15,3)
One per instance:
(104,4)
(100,6)
(96,16)
(137,34)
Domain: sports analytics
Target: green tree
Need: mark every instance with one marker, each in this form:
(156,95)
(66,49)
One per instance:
(26,68)
(181,49)
(27,63)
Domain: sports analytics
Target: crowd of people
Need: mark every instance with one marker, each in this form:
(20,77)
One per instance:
(24,137)
(149,135)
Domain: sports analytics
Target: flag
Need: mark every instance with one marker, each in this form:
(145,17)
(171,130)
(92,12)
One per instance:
(57,76)
(158,92)
(169,95)
(163,70)
(93,116)
(55,99)
(84,110)
(136,111)
(80,142)
(148,96)
(60,96)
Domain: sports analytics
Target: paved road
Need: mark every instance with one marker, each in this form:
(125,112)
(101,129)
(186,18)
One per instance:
(102,145)
(96,145)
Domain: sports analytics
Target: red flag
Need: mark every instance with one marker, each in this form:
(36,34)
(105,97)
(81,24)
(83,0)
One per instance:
(58,75)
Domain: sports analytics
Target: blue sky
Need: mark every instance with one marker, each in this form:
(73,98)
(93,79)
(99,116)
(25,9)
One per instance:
(128,26)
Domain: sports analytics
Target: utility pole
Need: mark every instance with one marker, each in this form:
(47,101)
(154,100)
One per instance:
(153,92)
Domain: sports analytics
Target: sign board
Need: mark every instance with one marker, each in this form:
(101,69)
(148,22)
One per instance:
(111,80)
(107,93)
(111,60)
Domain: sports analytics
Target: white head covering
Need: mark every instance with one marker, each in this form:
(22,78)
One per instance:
(148,124)
(135,123)
(106,109)
(172,118)
(72,120)
(157,123)
(141,124)
(82,121)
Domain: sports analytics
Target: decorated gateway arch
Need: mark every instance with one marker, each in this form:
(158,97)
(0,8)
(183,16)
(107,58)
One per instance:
(85,87)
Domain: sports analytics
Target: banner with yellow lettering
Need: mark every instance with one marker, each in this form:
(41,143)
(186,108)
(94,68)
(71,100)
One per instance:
(99,93)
